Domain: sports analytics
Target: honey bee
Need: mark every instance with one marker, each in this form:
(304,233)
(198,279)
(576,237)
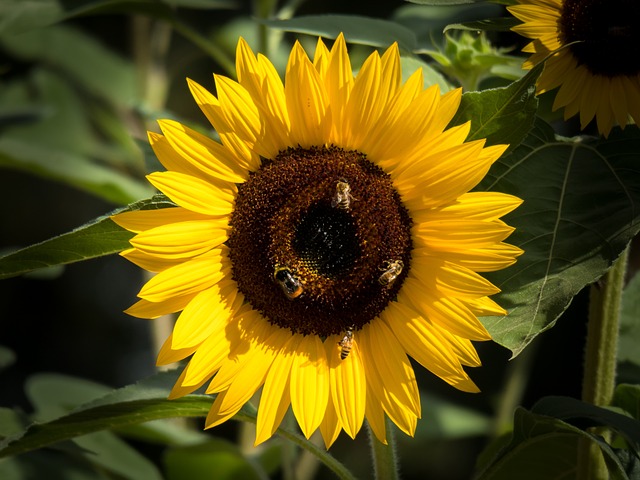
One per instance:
(289,283)
(346,344)
(342,198)
(391,271)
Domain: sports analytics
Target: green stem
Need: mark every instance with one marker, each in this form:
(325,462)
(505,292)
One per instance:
(513,389)
(599,376)
(385,463)
(206,45)
(263,10)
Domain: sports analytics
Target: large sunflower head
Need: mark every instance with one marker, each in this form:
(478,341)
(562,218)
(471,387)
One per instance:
(595,65)
(328,236)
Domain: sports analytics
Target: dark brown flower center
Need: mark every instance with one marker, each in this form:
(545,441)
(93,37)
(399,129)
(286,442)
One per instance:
(608,32)
(320,241)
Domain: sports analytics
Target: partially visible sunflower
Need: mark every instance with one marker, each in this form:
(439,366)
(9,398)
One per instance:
(327,236)
(596,63)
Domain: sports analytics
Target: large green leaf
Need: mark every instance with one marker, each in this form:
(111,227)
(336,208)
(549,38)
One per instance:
(581,208)
(546,447)
(134,404)
(94,239)
(501,115)
(585,415)
(357,29)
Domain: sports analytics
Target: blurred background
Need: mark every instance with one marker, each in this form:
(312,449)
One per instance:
(80,83)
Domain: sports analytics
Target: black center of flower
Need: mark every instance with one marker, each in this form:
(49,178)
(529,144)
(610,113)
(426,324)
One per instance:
(326,240)
(320,240)
(607,32)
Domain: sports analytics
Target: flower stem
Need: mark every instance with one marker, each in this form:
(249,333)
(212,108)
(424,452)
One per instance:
(385,463)
(599,375)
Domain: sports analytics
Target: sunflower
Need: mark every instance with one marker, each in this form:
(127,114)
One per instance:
(326,238)
(594,62)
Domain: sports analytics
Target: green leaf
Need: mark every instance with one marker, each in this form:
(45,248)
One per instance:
(580,211)
(54,394)
(629,339)
(72,169)
(21,15)
(627,397)
(79,55)
(501,115)
(196,462)
(11,422)
(545,447)
(430,76)
(357,29)
(137,403)
(584,415)
(487,25)
(94,239)
(134,404)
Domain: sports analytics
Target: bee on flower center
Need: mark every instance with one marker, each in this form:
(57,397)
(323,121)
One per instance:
(391,270)
(288,282)
(346,344)
(342,197)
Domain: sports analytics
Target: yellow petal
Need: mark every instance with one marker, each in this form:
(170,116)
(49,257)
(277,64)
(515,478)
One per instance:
(189,277)
(375,417)
(483,206)
(403,126)
(179,390)
(210,355)
(254,371)
(149,262)
(366,103)
(379,395)
(209,198)
(338,83)
(141,220)
(307,101)
(422,341)
(145,309)
(260,79)
(182,240)
(240,111)
(309,384)
(203,154)
(447,312)
(449,278)
(212,109)
(459,235)
(487,259)
(276,397)
(168,355)
(348,386)
(330,426)
(248,331)
(213,306)
(214,417)
(387,356)
(443,177)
